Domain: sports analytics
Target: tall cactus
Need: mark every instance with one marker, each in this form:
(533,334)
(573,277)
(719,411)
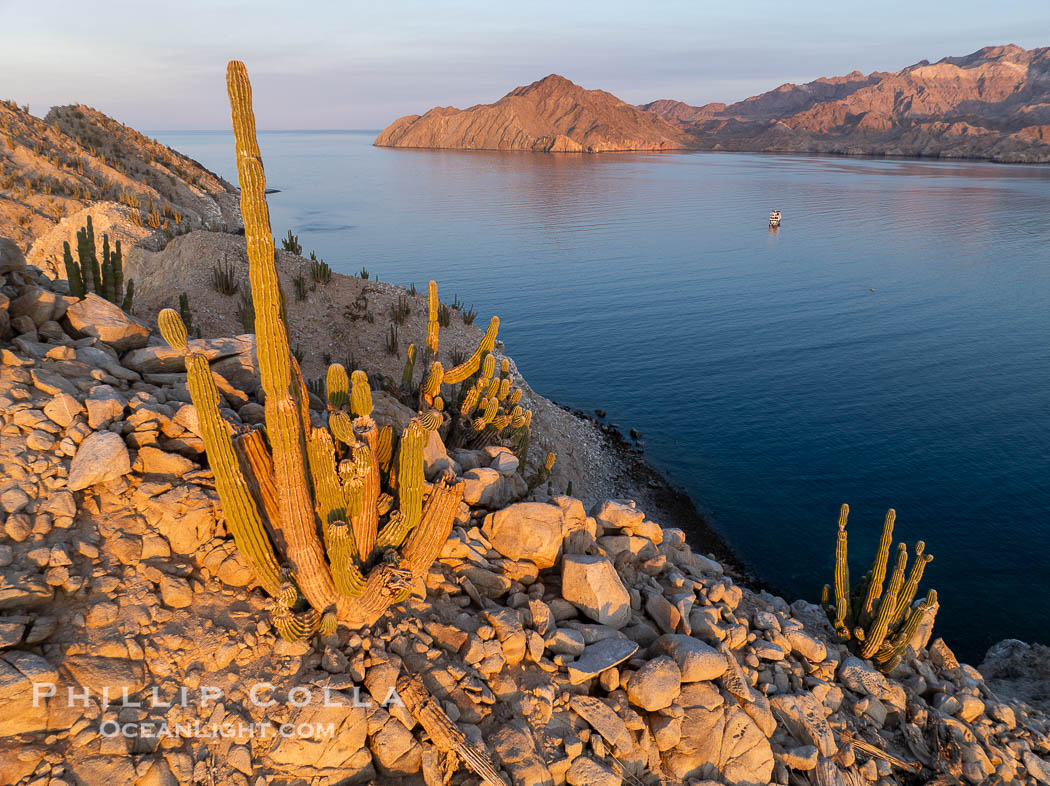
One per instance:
(306,511)
(878,623)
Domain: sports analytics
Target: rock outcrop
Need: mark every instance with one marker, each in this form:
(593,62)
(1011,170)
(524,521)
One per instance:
(552,115)
(994,103)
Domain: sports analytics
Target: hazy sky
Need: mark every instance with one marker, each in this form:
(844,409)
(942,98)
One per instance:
(363,64)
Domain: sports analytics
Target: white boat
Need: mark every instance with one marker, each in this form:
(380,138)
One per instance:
(774,218)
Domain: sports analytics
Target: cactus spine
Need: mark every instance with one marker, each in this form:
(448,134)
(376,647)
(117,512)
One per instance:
(875,622)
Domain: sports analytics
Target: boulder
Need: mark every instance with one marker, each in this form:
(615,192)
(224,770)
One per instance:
(696,660)
(104,405)
(803,716)
(11,256)
(95,316)
(656,685)
(435,457)
(525,531)
(591,584)
(101,456)
(720,736)
(62,408)
(38,304)
(598,657)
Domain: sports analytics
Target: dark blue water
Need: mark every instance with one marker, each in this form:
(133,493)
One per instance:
(887,347)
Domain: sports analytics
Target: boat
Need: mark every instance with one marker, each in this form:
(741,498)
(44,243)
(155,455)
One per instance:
(774,219)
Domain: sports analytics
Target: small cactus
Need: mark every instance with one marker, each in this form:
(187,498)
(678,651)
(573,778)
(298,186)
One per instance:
(85,274)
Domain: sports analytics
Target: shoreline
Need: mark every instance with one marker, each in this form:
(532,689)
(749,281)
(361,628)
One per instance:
(668,503)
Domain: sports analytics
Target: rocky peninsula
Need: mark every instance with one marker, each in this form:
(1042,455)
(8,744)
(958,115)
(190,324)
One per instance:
(551,639)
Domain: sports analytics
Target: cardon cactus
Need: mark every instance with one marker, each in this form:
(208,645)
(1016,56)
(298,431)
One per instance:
(85,274)
(480,400)
(313,511)
(878,621)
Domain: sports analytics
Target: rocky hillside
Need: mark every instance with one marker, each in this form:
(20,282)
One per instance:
(76,156)
(551,115)
(558,645)
(994,103)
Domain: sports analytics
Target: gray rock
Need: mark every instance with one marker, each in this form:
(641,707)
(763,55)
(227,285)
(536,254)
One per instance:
(803,716)
(592,584)
(101,456)
(97,317)
(696,660)
(36,303)
(598,657)
(104,405)
(585,771)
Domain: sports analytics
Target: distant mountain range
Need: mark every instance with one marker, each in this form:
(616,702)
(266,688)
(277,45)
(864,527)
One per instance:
(992,104)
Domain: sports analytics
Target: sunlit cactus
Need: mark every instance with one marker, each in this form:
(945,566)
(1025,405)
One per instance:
(305,504)
(86,274)
(878,619)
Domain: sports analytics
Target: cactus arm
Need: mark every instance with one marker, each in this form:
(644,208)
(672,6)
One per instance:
(410,367)
(878,569)
(258,470)
(117,269)
(331,504)
(887,606)
(242,515)
(457,374)
(425,541)
(337,386)
(433,329)
(841,620)
(410,473)
(342,553)
(283,417)
(891,652)
(360,394)
(76,281)
(295,627)
(366,521)
(907,594)
(129,296)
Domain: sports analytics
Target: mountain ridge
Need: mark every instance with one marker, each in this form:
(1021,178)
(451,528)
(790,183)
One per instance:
(993,103)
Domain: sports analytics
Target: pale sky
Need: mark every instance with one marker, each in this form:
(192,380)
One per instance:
(358,64)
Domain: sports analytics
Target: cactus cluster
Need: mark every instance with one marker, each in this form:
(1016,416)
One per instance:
(86,273)
(878,621)
(482,405)
(336,525)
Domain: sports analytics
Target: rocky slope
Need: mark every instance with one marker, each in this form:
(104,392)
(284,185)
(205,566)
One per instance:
(567,647)
(550,115)
(53,168)
(994,103)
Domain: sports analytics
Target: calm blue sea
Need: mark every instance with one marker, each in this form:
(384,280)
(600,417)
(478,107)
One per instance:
(889,346)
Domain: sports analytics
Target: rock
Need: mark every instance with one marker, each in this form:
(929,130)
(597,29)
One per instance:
(97,317)
(435,457)
(604,720)
(803,716)
(395,749)
(36,303)
(714,734)
(618,514)
(585,771)
(101,673)
(1038,768)
(861,677)
(656,685)
(565,641)
(154,461)
(18,671)
(61,409)
(807,646)
(338,751)
(592,585)
(802,757)
(600,656)
(104,405)
(101,456)
(1019,671)
(526,531)
(696,660)
(11,256)
(516,750)
(481,487)
(175,592)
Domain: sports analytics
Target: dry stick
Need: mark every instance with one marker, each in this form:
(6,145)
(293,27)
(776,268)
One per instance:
(866,747)
(445,735)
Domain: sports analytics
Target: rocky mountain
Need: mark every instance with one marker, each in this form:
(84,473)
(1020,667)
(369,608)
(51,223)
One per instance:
(52,168)
(551,115)
(994,103)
